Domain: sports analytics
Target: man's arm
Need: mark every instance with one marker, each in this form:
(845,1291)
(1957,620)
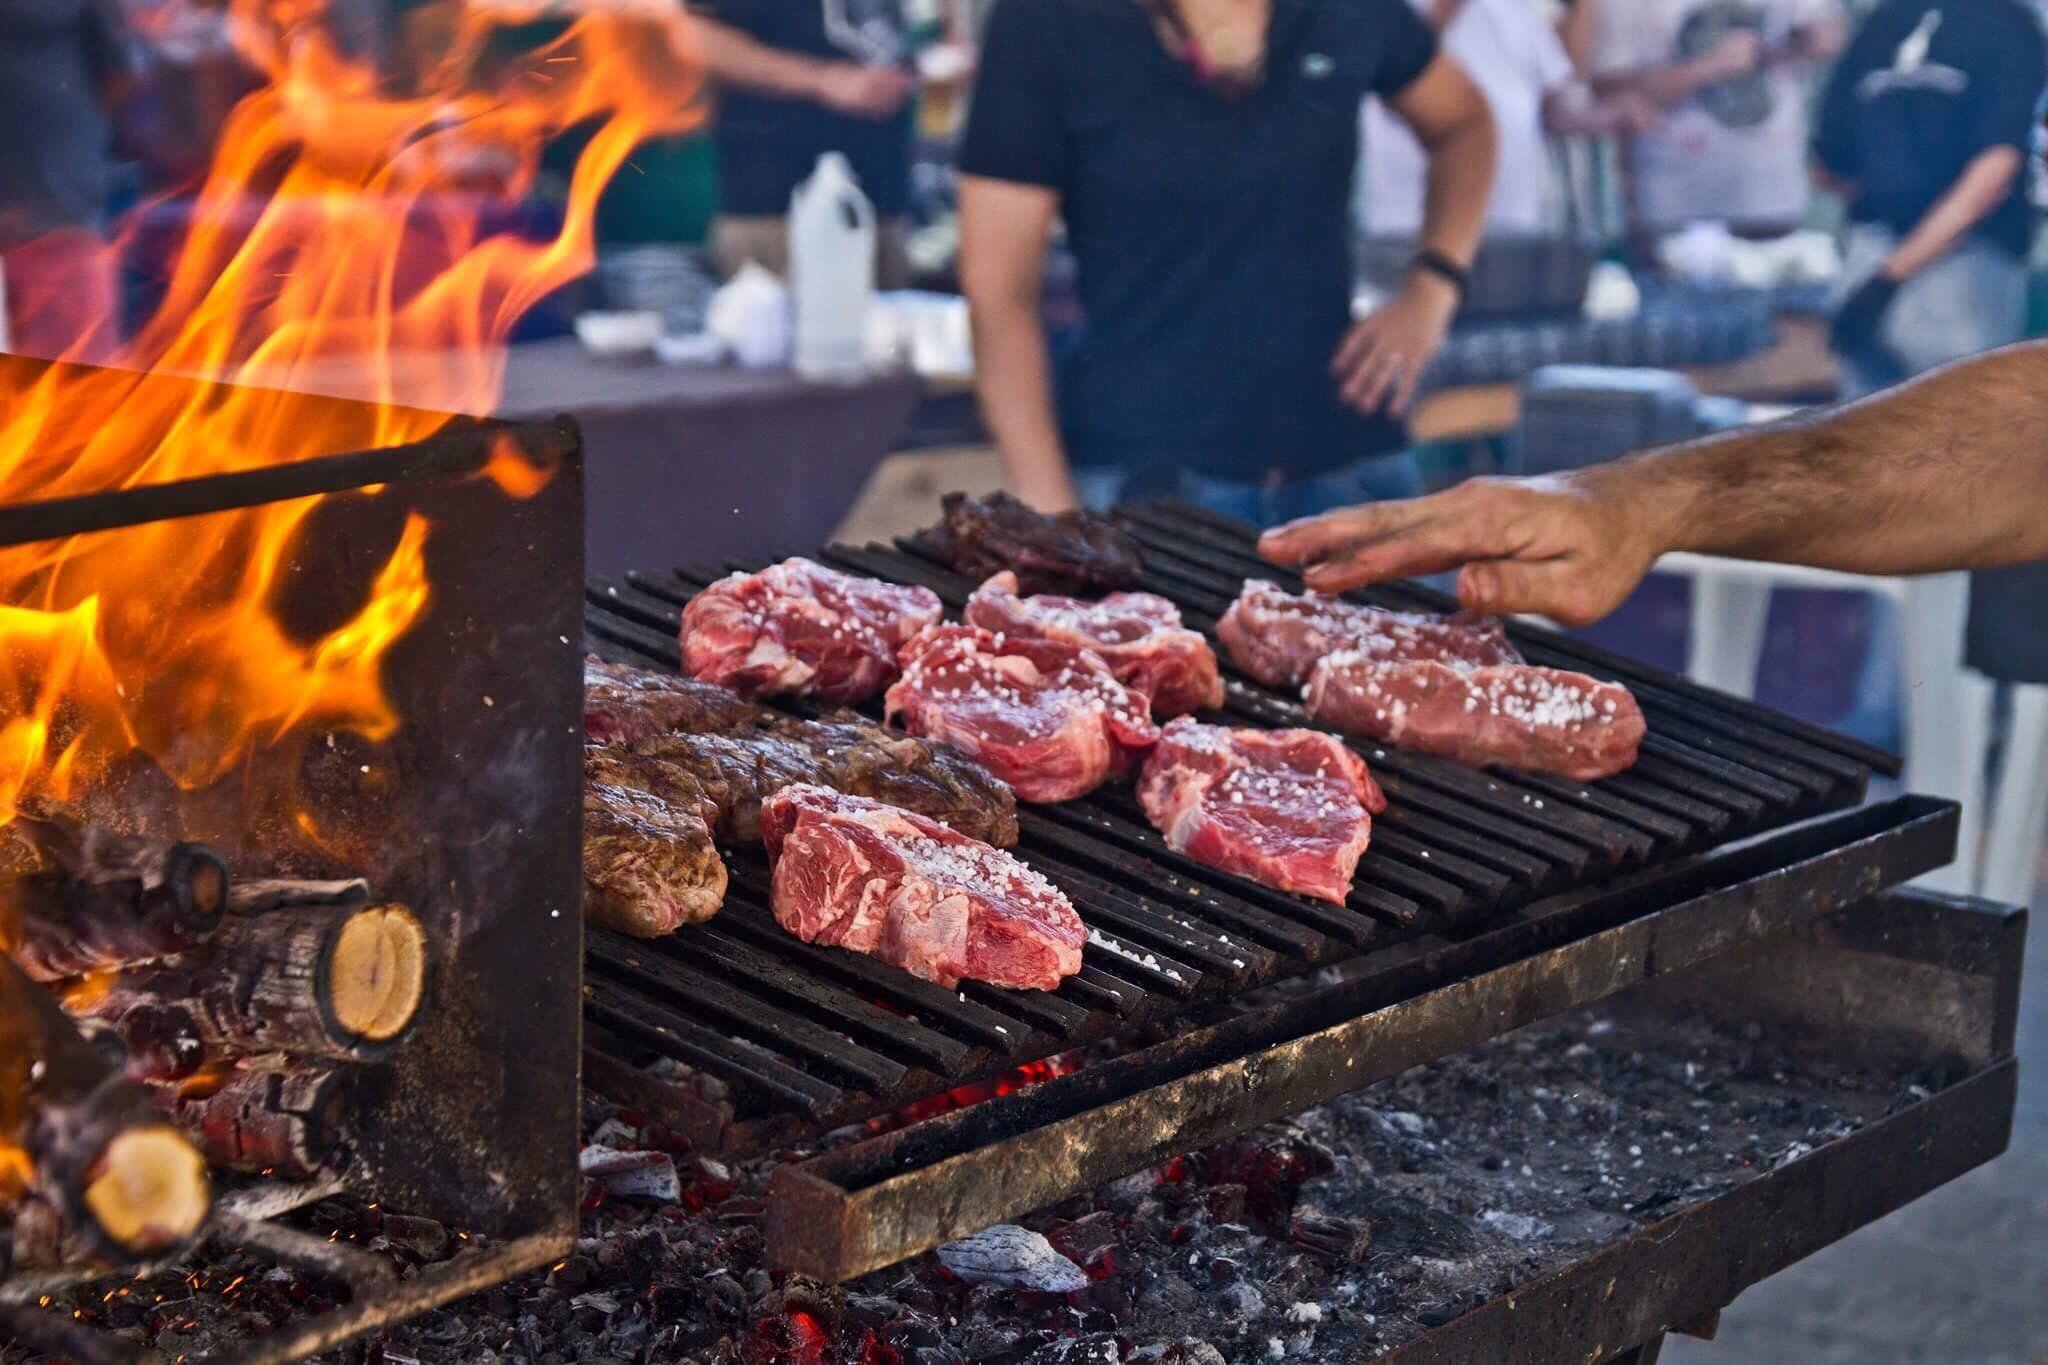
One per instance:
(1948,472)
(735,57)
(1669,84)
(1383,357)
(1981,188)
(1005,227)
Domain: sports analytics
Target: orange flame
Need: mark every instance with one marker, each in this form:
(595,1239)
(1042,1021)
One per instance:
(338,232)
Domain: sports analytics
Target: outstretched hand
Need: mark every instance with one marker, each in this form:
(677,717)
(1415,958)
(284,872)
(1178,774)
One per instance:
(1569,548)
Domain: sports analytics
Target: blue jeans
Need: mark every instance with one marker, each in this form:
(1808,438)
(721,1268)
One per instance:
(1973,299)
(1379,478)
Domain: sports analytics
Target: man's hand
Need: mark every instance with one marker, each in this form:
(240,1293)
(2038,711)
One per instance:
(875,92)
(1382,358)
(1570,548)
(1739,52)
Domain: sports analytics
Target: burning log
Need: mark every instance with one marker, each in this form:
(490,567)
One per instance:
(340,984)
(284,1120)
(118,1178)
(102,900)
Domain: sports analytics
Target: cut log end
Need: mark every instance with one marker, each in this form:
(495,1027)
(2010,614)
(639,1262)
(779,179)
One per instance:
(377,972)
(199,881)
(149,1192)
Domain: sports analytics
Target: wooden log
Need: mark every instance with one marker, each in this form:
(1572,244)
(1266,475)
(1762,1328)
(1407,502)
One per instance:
(102,900)
(284,1119)
(343,985)
(115,1174)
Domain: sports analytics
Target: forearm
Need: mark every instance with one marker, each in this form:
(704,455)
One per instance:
(1948,472)
(1666,85)
(735,58)
(1980,190)
(1013,376)
(1461,170)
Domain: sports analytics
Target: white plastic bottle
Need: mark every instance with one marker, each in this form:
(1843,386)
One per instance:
(831,271)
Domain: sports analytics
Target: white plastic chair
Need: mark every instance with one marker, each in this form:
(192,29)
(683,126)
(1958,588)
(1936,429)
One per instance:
(1948,707)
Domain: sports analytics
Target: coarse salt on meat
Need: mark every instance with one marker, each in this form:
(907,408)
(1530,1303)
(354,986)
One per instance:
(1515,716)
(1138,634)
(1046,717)
(1278,636)
(800,628)
(1290,809)
(857,874)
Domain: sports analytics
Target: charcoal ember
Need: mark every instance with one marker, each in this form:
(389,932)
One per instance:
(1095,1349)
(572,1274)
(726,1295)
(632,1175)
(1187,1351)
(1104,1306)
(1010,1255)
(1170,1297)
(1242,1300)
(1228,1202)
(422,1238)
(918,1342)
(1090,1243)
(1344,1240)
(1273,1171)
(1223,1270)
(1405,1228)
(871,1310)
(792,1338)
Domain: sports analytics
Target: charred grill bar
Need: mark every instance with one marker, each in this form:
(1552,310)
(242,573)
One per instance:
(350,966)
(1487,901)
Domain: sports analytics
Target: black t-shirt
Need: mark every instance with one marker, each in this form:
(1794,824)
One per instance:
(54,57)
(1925,88)
(768,146)
(1212,230)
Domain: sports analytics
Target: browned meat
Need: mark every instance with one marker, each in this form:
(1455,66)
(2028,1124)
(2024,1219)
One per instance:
(622,704)
(648,868)
(1076,553)
(912,774)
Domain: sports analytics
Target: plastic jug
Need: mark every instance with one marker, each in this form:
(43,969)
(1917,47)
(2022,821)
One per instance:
(831,271)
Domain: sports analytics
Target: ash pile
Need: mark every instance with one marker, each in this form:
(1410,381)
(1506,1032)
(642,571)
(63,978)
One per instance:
(1354,1229)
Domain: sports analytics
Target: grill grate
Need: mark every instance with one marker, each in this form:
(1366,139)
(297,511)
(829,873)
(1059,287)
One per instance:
(826,1037)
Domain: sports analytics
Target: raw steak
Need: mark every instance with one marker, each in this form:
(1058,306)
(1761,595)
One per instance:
(1049,719)
(799,627)
(622,704)
(1074,552)
(648,867)
(1291,809)
(1277,636)
(1535,719)
(854,873)
(1138,635)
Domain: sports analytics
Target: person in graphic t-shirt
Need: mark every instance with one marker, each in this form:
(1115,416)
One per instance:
(1201,155)
(1520,64)
(768,144)
(1728,75)
(1925,130)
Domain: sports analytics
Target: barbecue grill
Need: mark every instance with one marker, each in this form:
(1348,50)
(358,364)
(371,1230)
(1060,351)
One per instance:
(1486,901)
(467,815)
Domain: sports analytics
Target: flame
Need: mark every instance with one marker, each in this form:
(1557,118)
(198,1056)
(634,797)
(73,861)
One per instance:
(365,251)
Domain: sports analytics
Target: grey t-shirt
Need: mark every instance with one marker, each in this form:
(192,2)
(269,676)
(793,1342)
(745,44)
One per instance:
(54,57)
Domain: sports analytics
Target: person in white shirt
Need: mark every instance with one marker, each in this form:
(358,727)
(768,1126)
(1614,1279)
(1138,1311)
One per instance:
(1730,77)
(1520,65)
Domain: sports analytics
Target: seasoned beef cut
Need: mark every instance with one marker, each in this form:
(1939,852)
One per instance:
(725,778)
(1515,716)
(1290,809)
(934,780)
(1277,636)
(854,873)
(648,868)
(798,627)
(1138,635)
(623,704)
(1049,719)
(1074,552)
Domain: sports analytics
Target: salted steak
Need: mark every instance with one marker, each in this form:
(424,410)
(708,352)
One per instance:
(799,628)
(1046,717)
(1289,809)
(1278,636)
(622,704)
(1543,720)
(1138,634)
(853,873)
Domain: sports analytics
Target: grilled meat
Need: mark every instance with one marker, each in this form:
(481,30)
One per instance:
(1076,553)
(648,867)
(622,704)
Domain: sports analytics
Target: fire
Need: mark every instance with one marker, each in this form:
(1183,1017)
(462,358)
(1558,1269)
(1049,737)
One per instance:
(962,1097)
(341,229)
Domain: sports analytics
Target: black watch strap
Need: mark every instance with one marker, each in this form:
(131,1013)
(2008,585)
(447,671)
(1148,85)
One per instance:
(1443,267)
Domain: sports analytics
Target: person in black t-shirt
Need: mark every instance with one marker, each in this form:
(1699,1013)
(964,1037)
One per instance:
(1201,154)
(1925,130)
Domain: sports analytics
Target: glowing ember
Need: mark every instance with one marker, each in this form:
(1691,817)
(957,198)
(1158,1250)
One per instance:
(945,1102)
